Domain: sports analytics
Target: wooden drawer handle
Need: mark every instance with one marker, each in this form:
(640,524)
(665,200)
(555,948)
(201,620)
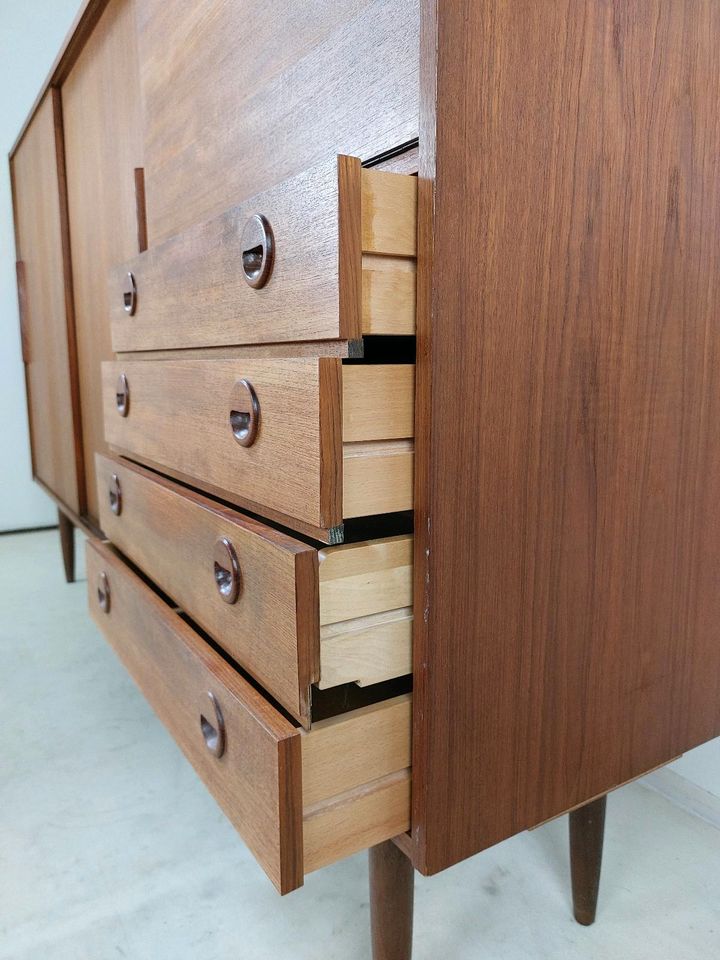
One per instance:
(23,307)
(258,251)
(129,294)
(226,570)
(244,413)
(122,395)
(115,495)
(103,592)
(213,731)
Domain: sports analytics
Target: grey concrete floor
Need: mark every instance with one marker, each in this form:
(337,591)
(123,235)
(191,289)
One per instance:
(111,848)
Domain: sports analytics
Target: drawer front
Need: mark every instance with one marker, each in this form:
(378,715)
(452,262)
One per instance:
(257,780)
(299,800)
(181,415)
(343,253)
(288,626)
(254,589)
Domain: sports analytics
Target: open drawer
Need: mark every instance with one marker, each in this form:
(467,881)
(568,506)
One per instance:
(288,614)
(299,800)
(326,255)
(305,441)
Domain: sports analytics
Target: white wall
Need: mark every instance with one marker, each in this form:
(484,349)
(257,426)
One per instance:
(31,33)
(693,781)
(702,767)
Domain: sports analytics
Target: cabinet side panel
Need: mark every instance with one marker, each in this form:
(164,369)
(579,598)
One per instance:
(567,635)
(102,119)
(39,238)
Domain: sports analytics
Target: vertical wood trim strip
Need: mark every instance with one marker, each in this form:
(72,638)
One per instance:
(22,308)
(349,172)
(331,447)
(292,867)
(141,209)
(23,311)
(307,614)
(73,365)
(422,585)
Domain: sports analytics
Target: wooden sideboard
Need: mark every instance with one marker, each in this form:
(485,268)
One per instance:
(372,344)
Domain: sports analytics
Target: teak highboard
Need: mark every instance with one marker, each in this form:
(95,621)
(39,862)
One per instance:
(373,345)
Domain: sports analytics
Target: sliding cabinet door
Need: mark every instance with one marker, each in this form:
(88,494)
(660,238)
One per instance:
(102,118)
(46,305)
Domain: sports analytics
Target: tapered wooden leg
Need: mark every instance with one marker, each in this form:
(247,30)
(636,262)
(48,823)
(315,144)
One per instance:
(587,831)
(67,542)
(391,902)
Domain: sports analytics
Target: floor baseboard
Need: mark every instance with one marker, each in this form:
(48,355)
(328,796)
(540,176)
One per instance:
(685,794)
(8,533)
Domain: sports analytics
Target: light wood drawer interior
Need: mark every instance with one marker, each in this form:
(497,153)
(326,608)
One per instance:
(344,243)
(334,440)
(366,611)
(356,781)
(300,800)
(290,625)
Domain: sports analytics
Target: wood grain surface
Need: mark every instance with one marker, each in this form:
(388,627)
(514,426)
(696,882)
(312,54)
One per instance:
(388,295)
(568,475)
(46,326)
(356,820)
(366,650)
(378,402)
(359,579)
(356,781)
(257,781)
(191,288)
(355,748)
(365,611)
(389,213)
(103,145)
(377,477)
(179,419)
(239,97)
(170,532)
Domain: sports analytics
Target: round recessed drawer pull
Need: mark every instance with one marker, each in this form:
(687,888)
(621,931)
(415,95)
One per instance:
(115,495)
(226,570)
(129,294)
(244,413)
(213,730)
(258,251)
(122,395)
(103,592)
